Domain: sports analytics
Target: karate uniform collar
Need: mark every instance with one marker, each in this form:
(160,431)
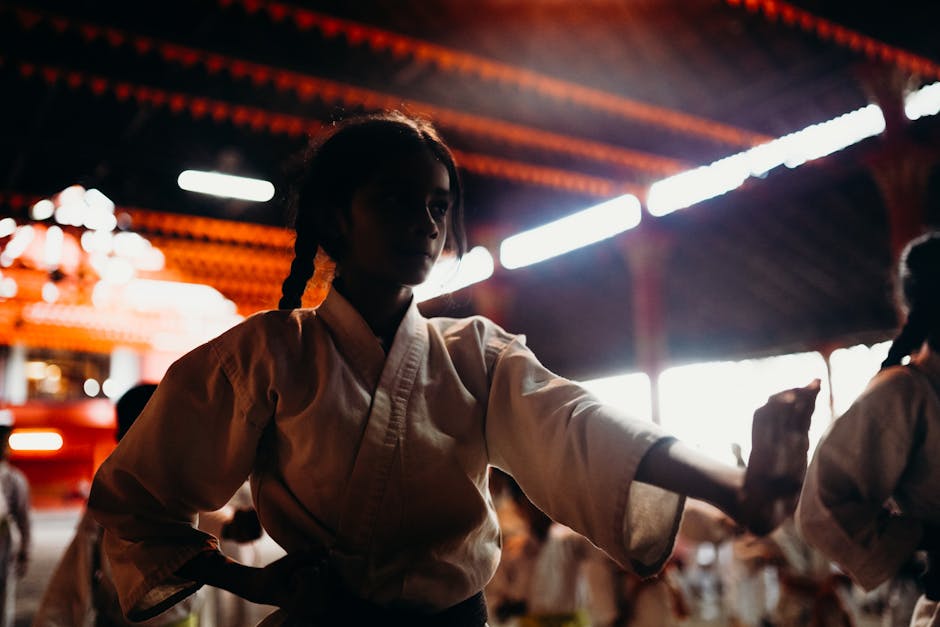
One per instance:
(358,344)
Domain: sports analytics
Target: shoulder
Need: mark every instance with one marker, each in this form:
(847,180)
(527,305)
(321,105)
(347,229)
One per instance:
(12,477)
(895,385)
(267,330)
(11,472)
(271,322)
(476,331)
(886,412)
(261,343)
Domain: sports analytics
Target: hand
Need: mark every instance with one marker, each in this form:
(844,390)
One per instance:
(777,463)
(299,583)
(244,526)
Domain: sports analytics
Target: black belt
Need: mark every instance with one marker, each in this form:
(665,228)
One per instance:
(348,611)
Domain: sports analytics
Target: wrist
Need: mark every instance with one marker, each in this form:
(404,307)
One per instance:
(215,569)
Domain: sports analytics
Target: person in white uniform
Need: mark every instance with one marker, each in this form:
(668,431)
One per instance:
(81,590)
(871,497)
(15,524)
(367,429)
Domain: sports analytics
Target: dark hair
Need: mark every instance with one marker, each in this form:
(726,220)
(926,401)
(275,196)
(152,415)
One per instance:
(919,293)
(339,163)
(129,406)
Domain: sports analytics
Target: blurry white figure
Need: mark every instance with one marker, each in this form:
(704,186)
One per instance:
(14,524)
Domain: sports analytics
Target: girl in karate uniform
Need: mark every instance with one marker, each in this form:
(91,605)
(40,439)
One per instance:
(871,497)
(367,430)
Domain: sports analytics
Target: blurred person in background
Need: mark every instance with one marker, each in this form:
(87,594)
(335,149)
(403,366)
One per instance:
(659,601)
(703,530)
(812,592)
(81,591)
(14,523)
(871,498)
(551,576)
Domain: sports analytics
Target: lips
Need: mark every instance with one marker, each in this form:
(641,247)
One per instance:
(415,253)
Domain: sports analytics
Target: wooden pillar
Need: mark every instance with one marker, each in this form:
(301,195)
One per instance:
(826,349)
(646,251)
(901,166)
(902,172)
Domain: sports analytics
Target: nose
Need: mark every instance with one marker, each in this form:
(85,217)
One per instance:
(424,223)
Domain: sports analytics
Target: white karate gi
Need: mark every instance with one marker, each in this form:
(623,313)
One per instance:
(14,512)
(380,459)
(885,448)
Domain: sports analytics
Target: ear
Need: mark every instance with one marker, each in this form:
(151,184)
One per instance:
(341,225)
(336,233)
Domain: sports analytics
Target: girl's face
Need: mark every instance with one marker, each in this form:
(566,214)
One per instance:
(396,226)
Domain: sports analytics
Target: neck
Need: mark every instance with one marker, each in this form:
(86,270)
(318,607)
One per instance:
(380,305)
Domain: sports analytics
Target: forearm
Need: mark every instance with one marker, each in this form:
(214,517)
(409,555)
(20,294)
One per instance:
(215,569)
(676,467)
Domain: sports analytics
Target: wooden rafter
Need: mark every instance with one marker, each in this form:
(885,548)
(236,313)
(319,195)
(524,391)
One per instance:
(263,120)
(461,62)
(306,87)
(828,30)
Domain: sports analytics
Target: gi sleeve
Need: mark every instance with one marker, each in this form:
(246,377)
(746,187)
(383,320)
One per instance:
(854,472)
(190,449)
(576,459)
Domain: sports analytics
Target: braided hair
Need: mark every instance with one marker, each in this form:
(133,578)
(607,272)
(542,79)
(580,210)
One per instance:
(919,293)
(338,164)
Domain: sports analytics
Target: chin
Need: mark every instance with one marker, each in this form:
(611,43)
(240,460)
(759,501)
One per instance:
(415,276)
(414,281)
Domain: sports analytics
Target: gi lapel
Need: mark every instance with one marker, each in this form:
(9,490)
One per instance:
(381,438)
(353,338)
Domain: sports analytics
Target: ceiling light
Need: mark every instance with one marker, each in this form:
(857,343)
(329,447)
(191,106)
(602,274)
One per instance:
(694,186)
(226,185)
(575,231)
(923,102)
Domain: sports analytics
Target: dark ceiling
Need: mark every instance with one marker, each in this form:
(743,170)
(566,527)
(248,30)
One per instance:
(551,106)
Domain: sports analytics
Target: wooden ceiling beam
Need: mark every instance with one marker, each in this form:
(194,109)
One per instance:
(447,59)
(263,120)
(830,31)
(307,86)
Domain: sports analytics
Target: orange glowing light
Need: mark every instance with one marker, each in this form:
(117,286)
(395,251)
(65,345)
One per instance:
(36,440)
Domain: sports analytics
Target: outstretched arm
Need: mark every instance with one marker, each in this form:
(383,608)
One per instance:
(749,496)
(679,468)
